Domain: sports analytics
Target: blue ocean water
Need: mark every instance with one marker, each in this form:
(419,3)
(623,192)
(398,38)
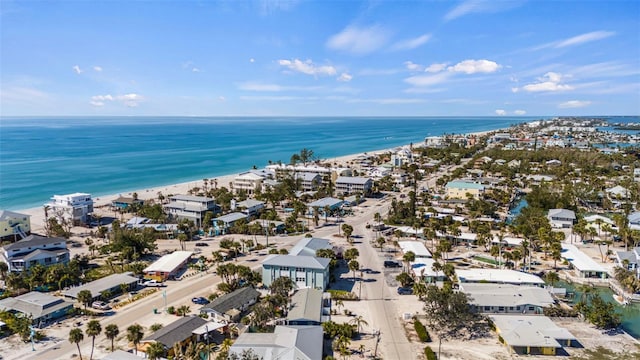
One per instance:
(40,157)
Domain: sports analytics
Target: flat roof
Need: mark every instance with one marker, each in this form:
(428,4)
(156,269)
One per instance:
(192,198)
(231,217)
(170,262)
(534,330)
(358,180)
(464,185)
(306,304)
(424,267)
(100,285)
(497,276)
(507,295)
(580,260)
(328,201)
(416,247)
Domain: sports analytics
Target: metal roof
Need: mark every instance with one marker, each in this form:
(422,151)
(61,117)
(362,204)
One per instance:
(170,262)
(231,217)
(464,185)
(234,300)
(308,262)
(309,246)
(532,330)
(580,260)
(497,276)
(34,303)
(562,213)
(7,215)
(358,180)
(100,285)
(249,203)
(285,343)
(328,201)
(191,198)
(507,295)
(306,304)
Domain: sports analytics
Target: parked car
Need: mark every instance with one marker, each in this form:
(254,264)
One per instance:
(405,291)
(100,305)
(392,264)
(201,244)
(200,300)
(153,283)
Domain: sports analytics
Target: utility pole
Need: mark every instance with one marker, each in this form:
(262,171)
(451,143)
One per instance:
(375,351)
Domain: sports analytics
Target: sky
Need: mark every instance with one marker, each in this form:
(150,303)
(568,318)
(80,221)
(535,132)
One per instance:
(320,58)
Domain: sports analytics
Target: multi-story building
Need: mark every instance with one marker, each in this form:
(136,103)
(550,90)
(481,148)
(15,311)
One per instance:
(14,226)
(190,207)
(354,184)
(42,308)
(32,250)
(248,182)
(463,189)
(76,208)
(305,271)
(308,181)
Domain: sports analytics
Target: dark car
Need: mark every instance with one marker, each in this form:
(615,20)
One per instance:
(201,244)
(405,291)
(200,300)
(392,264)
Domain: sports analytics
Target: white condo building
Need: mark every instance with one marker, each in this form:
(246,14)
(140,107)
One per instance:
(76,207)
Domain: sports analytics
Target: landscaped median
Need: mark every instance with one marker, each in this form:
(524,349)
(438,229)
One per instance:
(142,294)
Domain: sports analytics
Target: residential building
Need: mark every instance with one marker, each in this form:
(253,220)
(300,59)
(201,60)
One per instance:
(507,298)
(229,307)
(124,203)
(561,218)
(169,266)
(464,189)
(629,260)
(109,285)
(416,247)
(305,271)
(380,172)
(285,343)
(532,335)
(182,332)
(248,182)
(309,307)
(329,202)
(422,268)
(354,184)
(250,207)
(274,226)
(498,276)
(583,265)
(190,207)
(42,308)
(75,208)
(308,181)
(309,246)
(34,249)
(222,224)
(14,226)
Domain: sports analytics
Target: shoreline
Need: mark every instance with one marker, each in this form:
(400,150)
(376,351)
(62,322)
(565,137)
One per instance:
(102,201)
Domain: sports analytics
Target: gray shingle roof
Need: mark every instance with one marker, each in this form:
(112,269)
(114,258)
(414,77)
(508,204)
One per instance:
(177,331)
(6,215)
(33,240)
(352,180)
(34,303)
(100,285)
(308,262)
(233,300)
(234,216)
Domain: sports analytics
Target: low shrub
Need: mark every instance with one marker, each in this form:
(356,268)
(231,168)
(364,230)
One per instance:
(428,352)
(342,295)
(422,332)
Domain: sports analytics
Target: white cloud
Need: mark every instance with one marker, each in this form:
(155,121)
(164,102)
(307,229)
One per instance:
(388,101)
(584,38)
(97,68)
(428,80)
(359,40)
(475,66)
(195,69)
(574,104)
(550,81)
(377,72)
(519,112)
(129,100)
(411,66)
(434,68)
(262,87)
(308,67)
(252,60)
(480,6)
(77,69)
(222,98)
(501,112)
(409,44)
(344,77)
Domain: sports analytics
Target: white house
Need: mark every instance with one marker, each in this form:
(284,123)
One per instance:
(417,247)
(561,218)
(32,250)
(14,226)
(498,276)
(190,207)
(353,184)
(76,208)
(285,343)
(248,182)
(507,298)
(250,207)
(584,265)
(629,260)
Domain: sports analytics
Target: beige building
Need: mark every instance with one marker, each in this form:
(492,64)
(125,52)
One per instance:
(249,182)
(462,189)
(14,226)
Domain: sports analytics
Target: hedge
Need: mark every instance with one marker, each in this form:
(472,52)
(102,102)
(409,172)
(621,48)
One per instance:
(423,334)
(430,354)
(342,295)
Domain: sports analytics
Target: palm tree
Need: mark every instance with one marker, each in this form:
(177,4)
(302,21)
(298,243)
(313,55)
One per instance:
(420,288)
(85,297)
(183,310)
(75,337)
(155,350)
(358,321)
(134,335)
(408,257)
(3,269)
(111,331)
(93,329)
(354,266)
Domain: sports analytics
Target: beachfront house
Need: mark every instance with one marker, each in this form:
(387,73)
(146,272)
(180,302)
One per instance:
(75,208)
(463,190)
(345,185)
(305,271)
(629,260)
(584,266)
(124,203)
(190,207)
(248,182)
(561,218)
(507,298)
(14,226)
(532,335)
(308,181)
(106,287)
(284,343)
(169,266)
(42,308)
(229,307)
(222,224)
(32,250)
(309,307)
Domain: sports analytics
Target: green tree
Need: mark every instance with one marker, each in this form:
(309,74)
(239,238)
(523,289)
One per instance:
(348,231)
(183,310)
(134,335)
(358,321)
(409,257)
(111,331)
(354,266)
(75,337)
(85,298)
(351,254)
(404,279)
(93,329)
(155,350)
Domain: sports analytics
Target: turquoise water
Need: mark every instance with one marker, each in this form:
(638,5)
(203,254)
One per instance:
(40,157)
(630,313)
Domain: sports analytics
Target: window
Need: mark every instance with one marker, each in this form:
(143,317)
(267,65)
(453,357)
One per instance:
(501,308)
(531,308)
(300,269)
(518,308)
(300,279)
(510,307)
(285,268)
(487,308)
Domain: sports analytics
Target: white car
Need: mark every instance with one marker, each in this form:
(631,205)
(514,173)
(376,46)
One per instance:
(100,305)
(152,283)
